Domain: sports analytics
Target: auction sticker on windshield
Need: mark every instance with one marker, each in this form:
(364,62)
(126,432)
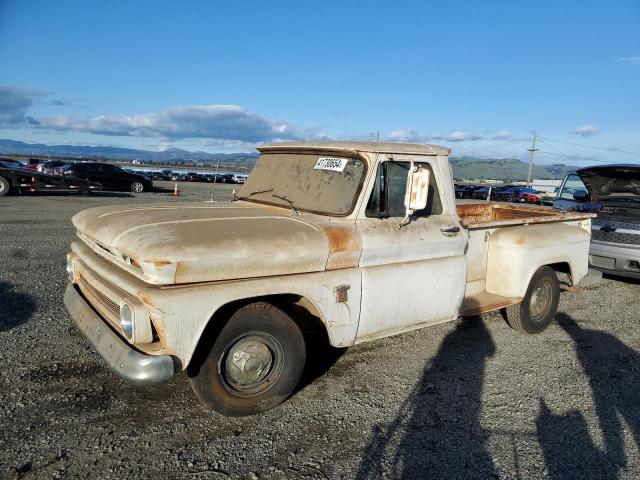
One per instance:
(334,164)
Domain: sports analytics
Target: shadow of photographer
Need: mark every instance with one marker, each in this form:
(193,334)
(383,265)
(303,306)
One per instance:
(613,371)
(437,431)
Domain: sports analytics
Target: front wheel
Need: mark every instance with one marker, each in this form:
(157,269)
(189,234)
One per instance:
(137,187)
(255,363)
(539,305)
(5,186)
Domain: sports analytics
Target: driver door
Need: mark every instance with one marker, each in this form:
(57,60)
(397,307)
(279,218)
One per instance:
(414,275)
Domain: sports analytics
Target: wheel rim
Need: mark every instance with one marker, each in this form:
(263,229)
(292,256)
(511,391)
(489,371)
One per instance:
(137,187)
(251,364)
(1,187)
(540,301)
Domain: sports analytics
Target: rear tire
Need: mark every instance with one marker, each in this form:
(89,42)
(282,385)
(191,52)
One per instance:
(539,305)
(5,186)
(254,364)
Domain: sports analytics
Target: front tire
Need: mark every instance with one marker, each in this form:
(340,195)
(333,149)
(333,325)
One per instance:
(539,305)
(137,187)
(5,186)
(255,363)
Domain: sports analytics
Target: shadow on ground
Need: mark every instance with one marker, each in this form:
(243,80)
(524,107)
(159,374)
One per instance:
(613,370)
(437,432)
(15,307)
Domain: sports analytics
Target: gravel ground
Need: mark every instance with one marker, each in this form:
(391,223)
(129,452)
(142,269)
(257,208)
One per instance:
(470,398)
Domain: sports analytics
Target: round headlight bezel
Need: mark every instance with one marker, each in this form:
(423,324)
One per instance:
(127,320)
(70,268)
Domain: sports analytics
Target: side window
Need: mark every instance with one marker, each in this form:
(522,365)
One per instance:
(387,196)
(571,186)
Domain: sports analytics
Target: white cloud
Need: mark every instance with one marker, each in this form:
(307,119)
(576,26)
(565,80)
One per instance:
(585,130)
(502,135)
(232,122)
(633,60)
(408,135)
(14,103)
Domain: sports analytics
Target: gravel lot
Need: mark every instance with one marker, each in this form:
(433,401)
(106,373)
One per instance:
(466,399)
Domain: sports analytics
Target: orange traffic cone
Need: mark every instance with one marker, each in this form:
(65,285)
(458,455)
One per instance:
(176,192)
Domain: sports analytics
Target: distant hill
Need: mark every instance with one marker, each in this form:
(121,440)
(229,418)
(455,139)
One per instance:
(116,153)
(463,167)
(508,169)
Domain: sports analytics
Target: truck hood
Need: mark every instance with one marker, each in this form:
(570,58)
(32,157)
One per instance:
(610,182)
(170,244)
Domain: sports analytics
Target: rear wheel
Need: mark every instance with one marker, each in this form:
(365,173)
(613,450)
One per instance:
(137,186)
(5,186)
(255,363)
(539,305)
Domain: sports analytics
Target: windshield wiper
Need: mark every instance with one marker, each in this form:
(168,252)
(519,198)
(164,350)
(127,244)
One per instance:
(290,202)
(238,197)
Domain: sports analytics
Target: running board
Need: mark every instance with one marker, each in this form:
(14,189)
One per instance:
(485,302)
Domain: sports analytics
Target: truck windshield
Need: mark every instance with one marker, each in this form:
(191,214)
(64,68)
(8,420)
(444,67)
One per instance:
(326,184)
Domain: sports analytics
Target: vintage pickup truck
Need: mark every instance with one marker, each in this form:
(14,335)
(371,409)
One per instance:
(353,241)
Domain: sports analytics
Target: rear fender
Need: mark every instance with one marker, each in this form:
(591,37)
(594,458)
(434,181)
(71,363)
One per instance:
(515,253)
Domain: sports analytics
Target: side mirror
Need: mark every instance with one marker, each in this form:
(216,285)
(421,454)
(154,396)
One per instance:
(417,189)
(581,195)
(417,192)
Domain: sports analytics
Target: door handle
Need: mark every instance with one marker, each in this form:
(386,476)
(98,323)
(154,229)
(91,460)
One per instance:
(450,230)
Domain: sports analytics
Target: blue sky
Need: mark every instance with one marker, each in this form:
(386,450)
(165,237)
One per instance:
(479,77)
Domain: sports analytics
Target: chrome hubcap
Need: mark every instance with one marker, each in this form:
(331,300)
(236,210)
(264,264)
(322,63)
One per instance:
(540,301)
(252,363)
(137,187)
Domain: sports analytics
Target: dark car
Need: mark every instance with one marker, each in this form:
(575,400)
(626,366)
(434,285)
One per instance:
(110,177)
(19,178)
(195,177)
(509,194)
(466,191)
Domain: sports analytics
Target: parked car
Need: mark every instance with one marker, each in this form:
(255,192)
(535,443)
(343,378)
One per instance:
(368,243)
(530,195)
(109,176)
(508,194)
(54,167)
(34,164)
(466,191)
(613,192)
(195,177)
(239,178)
(19,178)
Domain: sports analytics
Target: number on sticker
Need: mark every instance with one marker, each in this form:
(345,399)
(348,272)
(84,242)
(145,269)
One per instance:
(331,163)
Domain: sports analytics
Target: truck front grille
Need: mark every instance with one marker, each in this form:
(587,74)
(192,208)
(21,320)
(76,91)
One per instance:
(615,237)
(107,306)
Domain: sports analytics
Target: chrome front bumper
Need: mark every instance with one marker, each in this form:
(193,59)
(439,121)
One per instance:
(129,364)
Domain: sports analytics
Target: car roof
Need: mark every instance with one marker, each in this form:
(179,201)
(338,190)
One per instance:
(355,147)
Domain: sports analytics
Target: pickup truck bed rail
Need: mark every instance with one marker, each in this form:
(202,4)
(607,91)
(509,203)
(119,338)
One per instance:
(488,215)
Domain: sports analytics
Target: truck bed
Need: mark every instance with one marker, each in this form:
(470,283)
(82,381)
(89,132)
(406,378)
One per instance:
(491,215)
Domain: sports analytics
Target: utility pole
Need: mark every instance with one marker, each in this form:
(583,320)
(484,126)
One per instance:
(532,151)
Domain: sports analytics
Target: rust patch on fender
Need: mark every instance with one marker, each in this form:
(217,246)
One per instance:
(345,246)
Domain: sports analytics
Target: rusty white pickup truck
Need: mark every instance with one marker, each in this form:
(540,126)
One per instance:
(353,241)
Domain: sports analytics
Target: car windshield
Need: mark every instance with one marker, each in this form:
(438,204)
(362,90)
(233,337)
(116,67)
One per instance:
(312,182)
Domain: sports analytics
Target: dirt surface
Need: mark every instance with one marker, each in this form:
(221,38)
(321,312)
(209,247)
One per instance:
(470,398)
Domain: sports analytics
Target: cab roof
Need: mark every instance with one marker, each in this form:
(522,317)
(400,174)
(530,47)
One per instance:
(355,147)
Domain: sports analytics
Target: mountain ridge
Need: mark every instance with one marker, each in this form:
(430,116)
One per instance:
(508,169)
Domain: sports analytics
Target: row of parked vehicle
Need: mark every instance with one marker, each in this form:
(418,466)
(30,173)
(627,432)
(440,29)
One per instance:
(37,175)
(505,193)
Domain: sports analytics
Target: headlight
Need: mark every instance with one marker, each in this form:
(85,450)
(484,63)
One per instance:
(126,320)
(70,272)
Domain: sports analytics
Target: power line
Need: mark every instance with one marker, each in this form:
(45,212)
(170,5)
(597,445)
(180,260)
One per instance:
(610,150)
(581,159)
